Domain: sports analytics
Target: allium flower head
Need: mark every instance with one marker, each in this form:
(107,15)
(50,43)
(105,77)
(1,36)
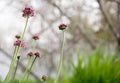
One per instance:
(30,54)
(62,26)
(44,77)
(37,54)
(35,36)
(19,42)
(27,12)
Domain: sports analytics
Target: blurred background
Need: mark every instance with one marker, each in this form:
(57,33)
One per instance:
(91,23)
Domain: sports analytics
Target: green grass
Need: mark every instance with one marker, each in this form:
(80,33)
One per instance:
(31,81)
(97,67)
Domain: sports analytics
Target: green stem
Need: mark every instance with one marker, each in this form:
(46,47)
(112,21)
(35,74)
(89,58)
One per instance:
(15,71)
(25,28)
(61,56)
(34,44)
(30,69)
(15,55)
(9,72)
(23,77)
(27,68)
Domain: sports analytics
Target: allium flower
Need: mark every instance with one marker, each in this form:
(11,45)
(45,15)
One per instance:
(27,12)
(35,36)
(18,42)
(44,77)
(17,36)
(62,26)
(37,54)
(30,54)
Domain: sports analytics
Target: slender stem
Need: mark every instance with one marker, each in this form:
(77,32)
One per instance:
(15,70)
(8,74)
(25,28)
(45,82)
(28,64)
(33,48)
(30,69)
(61,56)
(27,68)
(34,44)
(15,55)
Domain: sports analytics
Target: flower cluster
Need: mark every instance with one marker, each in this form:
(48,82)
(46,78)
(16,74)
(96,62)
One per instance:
(19,43)
(27,12)
(37,54)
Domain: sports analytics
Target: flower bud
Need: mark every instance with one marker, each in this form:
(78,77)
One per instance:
(37,54)
(44,77)
(30,54)
(35,36)
(18,57)
(17,36)
(62,26)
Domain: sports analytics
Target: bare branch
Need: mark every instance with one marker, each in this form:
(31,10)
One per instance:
(106,16)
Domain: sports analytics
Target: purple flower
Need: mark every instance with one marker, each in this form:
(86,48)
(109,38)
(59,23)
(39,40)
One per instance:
(27,12)
(30,54)
(37,54)
(35,36)
(19,42)
(62,26)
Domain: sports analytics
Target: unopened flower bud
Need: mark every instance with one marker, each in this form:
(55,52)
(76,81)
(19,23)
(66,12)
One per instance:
(17,36)
(18,57)
(44,77)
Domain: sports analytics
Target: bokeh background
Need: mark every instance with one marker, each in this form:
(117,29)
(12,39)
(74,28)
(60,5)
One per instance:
(91,23)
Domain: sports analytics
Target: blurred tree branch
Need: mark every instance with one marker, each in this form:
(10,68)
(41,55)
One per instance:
(109,21)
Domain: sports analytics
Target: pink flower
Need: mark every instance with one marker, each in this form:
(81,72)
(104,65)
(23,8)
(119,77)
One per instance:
(62,26)
(27,12)
(37,54)
(18,42)
(30,54)
(35,36)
